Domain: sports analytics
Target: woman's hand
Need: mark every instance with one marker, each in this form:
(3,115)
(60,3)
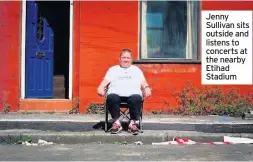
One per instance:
(147,91)
(101,91)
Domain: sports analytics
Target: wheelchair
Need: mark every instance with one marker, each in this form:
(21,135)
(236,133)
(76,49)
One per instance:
(124,114)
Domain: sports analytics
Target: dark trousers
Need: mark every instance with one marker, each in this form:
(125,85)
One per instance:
(113,102)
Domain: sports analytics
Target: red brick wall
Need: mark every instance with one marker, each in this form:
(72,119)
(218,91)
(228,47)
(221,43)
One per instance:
(10,36)
(163,77)
(106,27)
(227,5)
(101,30)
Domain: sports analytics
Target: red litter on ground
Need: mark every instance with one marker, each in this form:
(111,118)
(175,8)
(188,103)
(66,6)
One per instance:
(226,141)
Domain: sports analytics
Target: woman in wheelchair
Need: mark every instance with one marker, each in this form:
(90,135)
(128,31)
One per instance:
(124,83)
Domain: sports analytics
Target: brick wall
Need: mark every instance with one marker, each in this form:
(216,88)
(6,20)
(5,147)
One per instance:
(106,27)
(101,30)
(10,36)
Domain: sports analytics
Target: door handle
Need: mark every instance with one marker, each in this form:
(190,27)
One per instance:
(40,54)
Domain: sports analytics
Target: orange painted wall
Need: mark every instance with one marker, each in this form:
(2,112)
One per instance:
(227,5)
(107,27)
(101,30)
(10,36)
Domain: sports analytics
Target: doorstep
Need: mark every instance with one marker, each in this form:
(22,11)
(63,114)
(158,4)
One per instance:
(45,105)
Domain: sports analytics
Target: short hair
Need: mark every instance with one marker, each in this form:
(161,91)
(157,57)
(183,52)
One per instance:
(125,50)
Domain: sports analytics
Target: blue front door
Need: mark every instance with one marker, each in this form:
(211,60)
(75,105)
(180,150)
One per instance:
(39,53)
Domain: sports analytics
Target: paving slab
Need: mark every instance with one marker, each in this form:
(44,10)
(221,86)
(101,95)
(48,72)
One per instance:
(91,122)
(130,152)
(146,137)
(147,118)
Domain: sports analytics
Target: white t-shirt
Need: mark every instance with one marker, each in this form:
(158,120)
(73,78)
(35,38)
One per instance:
(125,81)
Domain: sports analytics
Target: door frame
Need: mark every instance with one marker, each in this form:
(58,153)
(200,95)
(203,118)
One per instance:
(23,51)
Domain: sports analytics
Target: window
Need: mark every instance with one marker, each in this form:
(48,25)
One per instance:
(169,29)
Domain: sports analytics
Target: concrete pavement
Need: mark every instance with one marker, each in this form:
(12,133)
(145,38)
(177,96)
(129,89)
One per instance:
(115,152)
(147,137)
(91,122)
(147,118)
(88,128)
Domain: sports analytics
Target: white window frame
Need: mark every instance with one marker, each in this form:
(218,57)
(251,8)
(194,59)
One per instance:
(190,49)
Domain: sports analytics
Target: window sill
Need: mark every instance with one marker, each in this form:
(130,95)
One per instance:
(171,61)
